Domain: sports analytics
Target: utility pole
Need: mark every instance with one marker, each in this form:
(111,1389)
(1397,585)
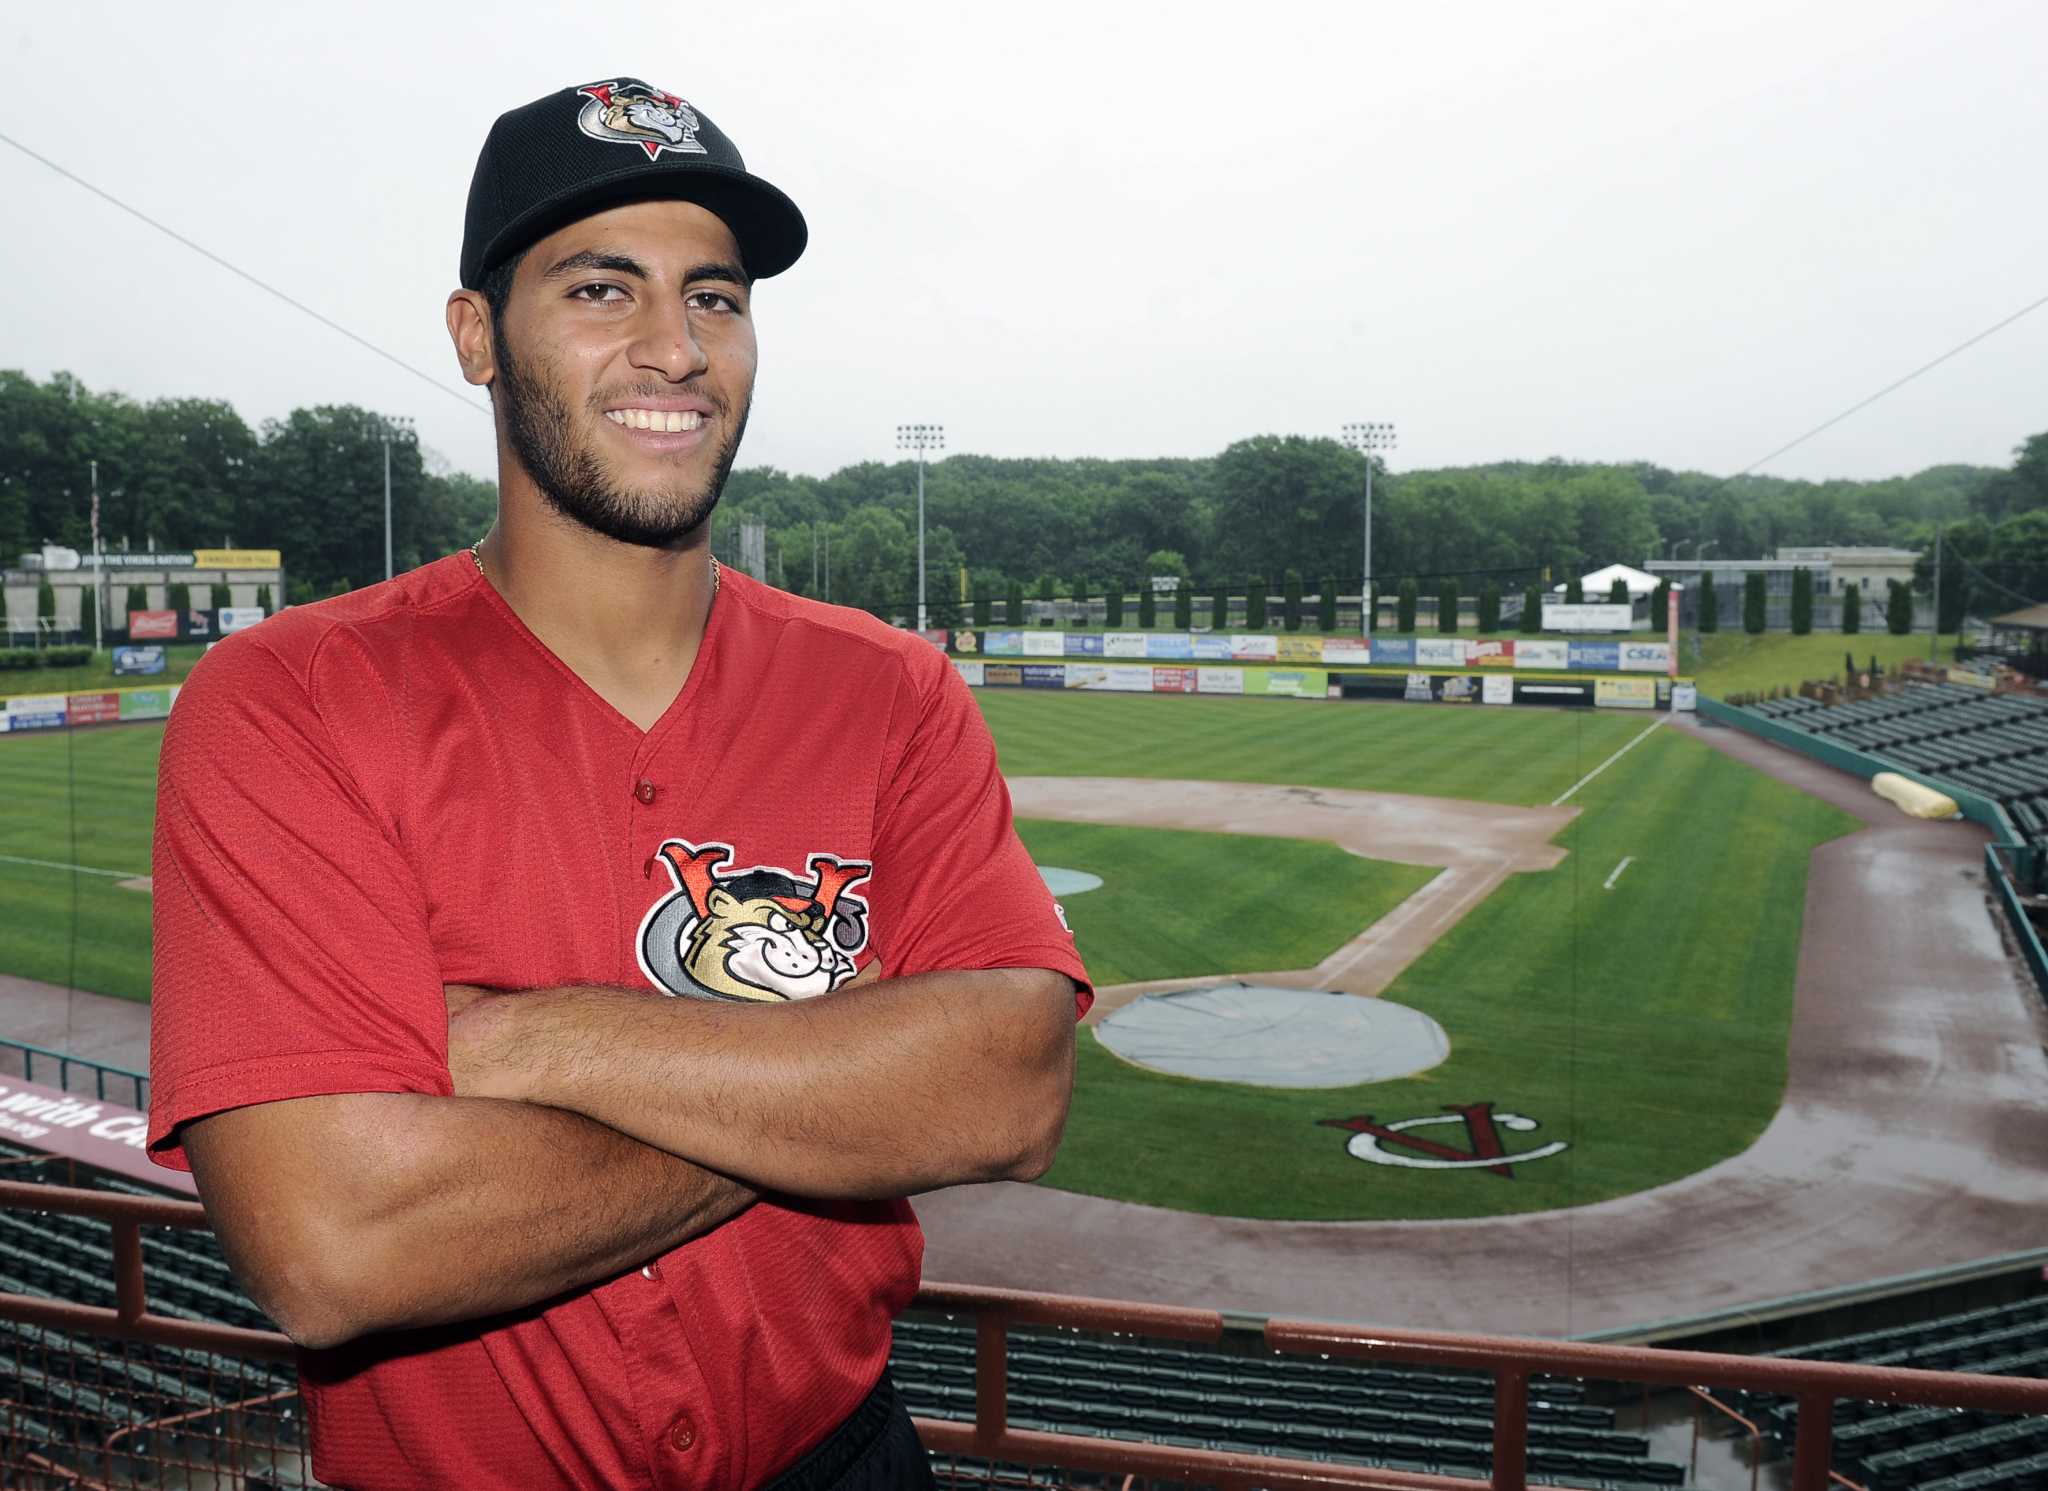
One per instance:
(388,430)
(920,438)
(1365,439)
(99,567)
(1934,636)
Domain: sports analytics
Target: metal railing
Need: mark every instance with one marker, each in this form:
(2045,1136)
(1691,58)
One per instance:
(93,1075)
(1510,1361)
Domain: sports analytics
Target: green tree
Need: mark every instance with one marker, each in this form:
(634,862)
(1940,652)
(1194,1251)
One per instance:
(984,604)
(1326,606)
(1290,600)
(1617,593)
(1080,600)
(1168,562)
(1045,599)
(263,599)
(1404,607)
(1575,592)
(1710,605)
(220,597)
(1219,606)
(1754,605)
(1802,602)
(1148,605)
(1532,609)
(1447,606)
(88,614)
(1489,608)
(46,608)
(179,597)
(1016,603)
(1852,609)
(1898,611)
(1183,608)
(1255,603)
(1660,605)
(1113,605)
(138,600)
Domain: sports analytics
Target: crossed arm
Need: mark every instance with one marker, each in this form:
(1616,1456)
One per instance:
(355,1213)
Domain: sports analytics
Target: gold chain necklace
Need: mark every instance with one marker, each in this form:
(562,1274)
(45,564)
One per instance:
(476,553)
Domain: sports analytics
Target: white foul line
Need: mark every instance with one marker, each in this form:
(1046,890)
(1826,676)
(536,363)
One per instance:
(1575,786)
(1626,861)
(51,864)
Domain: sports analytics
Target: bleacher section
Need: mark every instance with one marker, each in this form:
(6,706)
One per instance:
(1993,744)
(1935,1449)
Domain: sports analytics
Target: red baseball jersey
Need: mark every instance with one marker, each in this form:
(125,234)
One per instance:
(364,800)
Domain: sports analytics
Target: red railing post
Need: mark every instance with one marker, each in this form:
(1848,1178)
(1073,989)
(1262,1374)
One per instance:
(1815,1445)
(130,1296)
(1510,1430)
(991,1380)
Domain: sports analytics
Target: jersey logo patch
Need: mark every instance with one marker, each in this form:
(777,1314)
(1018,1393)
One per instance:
(626,111)
(760,934)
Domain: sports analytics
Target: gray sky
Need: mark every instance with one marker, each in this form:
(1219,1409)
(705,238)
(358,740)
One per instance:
(1684,233)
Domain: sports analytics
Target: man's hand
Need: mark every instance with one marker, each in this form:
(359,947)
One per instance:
(881,1090)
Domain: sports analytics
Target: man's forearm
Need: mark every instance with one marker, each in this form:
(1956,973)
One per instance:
(879,1090)
(457,1208)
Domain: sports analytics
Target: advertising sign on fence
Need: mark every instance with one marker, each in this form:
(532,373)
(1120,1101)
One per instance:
(1045,644)
(146,704)
(103,1135)
(152,624)
(1418,690)
(92,709)
(1596,657)
(967,642)
(1301,649)
(1625,693)
(35,712)
(1213,646)
(1353,650)
(1002,644)
(1645,657)
(1084,644)
(1601,617)
(198,623)
(1170,645)
(1685,698)
(231,621)
(1398,652)
(138,662)
(969,670)
(1491,654)
(1497,688)
(241,618)
(1123,644)
(1288,684)
(1530,654)
(1045,675)
(1219,680)
(1457,688)
(1439,652)
(1174,680)
(237,559)
(1558,691)
(1253,649)
(1117,678)
(1001,675)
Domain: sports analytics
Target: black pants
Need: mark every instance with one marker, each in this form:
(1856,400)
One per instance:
(875,1449)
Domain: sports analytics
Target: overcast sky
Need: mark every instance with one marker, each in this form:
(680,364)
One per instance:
(1682,233)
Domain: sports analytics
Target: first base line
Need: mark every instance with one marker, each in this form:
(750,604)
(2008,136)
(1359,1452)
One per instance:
(1575,786)
(51,864)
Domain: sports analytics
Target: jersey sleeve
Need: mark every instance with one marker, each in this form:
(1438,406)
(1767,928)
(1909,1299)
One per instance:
(292,955)
(954,888)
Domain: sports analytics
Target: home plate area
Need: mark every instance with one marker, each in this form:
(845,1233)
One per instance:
(1274,1037)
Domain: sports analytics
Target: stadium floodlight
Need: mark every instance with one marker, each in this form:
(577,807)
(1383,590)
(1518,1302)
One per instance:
(920,438)
(392,428)
(1366,438)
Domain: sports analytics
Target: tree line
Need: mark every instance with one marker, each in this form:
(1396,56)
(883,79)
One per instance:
(188,473)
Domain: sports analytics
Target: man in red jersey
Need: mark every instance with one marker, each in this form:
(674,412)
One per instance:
(429,854)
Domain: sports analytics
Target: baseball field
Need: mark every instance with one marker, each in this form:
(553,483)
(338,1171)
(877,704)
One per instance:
(1630,1004)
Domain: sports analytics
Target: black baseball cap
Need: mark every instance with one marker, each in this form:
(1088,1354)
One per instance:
(604,144)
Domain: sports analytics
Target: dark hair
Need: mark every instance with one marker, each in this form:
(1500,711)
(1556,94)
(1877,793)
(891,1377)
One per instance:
(496,286)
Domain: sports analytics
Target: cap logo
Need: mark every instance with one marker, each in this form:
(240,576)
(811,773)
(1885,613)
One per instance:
(626,111)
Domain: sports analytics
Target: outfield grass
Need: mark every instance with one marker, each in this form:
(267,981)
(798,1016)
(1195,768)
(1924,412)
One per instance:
(77,797)
(1737,663)
(1645,1025)
(1163,911)
(1525,756)
(179,658)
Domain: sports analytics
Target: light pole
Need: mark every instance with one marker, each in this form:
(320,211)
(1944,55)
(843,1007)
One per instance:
(390,428)
(1365,439)
(920,438)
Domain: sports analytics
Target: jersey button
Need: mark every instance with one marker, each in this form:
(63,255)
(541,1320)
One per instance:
(682,1433)
(652,1271)
(644,791)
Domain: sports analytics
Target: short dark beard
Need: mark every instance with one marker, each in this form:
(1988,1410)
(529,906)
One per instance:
(572,478)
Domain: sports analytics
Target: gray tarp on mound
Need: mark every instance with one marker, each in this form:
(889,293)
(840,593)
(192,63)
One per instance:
(1271,1037)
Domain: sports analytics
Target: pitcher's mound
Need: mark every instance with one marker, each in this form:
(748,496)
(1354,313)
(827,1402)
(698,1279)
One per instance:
(1271,1037)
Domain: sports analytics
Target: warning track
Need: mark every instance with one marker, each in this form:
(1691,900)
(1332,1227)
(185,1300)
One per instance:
(1913,1134)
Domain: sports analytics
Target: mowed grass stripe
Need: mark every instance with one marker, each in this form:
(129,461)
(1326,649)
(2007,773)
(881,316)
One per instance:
(1523,755)
(1646,1025)
(1176,904)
